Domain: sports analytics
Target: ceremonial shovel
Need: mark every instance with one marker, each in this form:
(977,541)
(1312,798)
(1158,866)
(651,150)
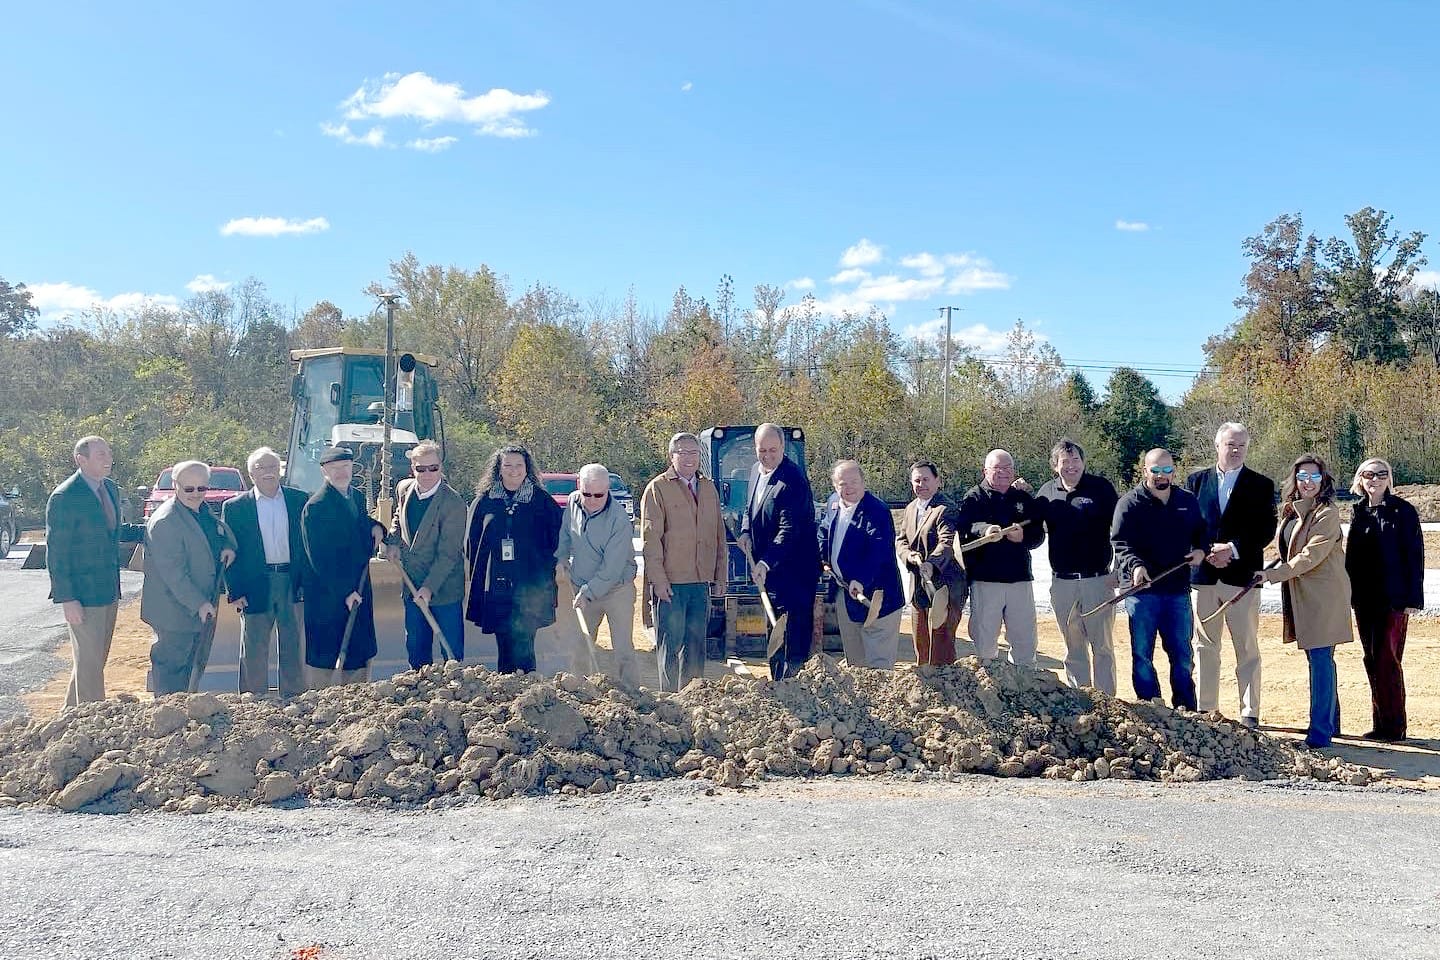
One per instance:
(1236,599)
(777,624)
(1132,590)
(991,537)
(872,603)
(429,617)
(350,621)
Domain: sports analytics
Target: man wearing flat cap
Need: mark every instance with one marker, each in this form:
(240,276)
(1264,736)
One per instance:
(339,538)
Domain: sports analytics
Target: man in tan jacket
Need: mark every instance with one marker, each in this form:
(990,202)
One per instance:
(685,553)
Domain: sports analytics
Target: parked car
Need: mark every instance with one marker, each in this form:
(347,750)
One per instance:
(621,494)
(560,485)
(226,483)
(9,521)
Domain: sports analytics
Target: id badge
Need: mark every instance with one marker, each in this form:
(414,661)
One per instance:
(507,549)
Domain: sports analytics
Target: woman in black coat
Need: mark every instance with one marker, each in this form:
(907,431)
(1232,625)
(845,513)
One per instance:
(1386,562)
(510,545)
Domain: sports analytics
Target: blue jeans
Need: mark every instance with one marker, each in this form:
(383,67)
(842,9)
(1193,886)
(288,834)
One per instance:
(1324,697)
(420,638)
(680,626)
(1169,615)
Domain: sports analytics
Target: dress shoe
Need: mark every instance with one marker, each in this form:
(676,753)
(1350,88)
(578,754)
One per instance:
(1379,737)
(1252,723)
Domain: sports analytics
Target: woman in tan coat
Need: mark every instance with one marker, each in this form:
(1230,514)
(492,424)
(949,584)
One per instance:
(1316,589)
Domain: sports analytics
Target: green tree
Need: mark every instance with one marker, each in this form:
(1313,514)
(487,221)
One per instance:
(1133,419)
(1364,290)
(17,310)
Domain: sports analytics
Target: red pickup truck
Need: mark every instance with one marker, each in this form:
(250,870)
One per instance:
(225,484)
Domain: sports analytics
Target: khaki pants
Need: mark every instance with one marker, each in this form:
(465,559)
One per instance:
(1086,636)
(1243,619)
(617,608)
(1010,604)
(872,646)
(90,648)
(282,620)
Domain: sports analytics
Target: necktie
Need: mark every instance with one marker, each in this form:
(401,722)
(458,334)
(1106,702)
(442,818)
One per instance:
(694,489)
(107,505)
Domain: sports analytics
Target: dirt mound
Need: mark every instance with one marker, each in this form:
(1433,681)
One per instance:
(452,732)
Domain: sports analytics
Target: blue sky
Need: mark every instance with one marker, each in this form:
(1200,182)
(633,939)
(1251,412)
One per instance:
(906,154)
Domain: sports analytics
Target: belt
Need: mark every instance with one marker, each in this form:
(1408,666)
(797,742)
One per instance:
(1080,576)
(278,567)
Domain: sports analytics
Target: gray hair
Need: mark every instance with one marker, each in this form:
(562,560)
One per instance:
(424,448)
(844,464)
(595,471)
(82,446)
(765,428)
(996,454)
(1230,427)
(680,438)
(188,466)
(258,454)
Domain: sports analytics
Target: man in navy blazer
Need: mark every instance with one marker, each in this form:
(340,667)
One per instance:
(264,581)
(83,534)
(857,547)
(778,529)
(1238,505)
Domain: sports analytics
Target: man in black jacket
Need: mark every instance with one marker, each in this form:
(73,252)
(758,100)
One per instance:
(1078,509)
(340,538)
(1238,505)
(83,534)
(265,580)
(778,528)
(1158,526)
(1002,587)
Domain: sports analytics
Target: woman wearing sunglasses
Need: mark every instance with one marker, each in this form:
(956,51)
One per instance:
(1316,591)
(1386,562)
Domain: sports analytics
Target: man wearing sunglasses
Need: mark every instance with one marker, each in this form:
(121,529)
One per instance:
(1238,505)
(597,553)
(1157,528)
(185,550)
(427,539)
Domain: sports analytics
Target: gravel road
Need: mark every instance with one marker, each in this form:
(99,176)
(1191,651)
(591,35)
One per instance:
(975,868)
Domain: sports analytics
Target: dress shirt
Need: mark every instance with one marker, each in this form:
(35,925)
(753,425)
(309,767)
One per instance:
(842,524)
(1227,485)
(274,519)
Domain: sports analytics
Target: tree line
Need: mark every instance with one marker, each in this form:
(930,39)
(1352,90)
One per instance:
(1334,351)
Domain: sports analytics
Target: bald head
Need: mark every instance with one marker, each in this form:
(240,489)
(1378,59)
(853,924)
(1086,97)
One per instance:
(1159,472)
(999,470)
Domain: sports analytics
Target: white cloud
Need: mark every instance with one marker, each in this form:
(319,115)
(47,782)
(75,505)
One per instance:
(374,137)
(205,283)
(800,283)
(863,254)
(1132,226)
(686,87)
(433,144)
(56,300)
(1426,279)
(977,336)
(853,275)
(420,98)
(928,264)
(272,227)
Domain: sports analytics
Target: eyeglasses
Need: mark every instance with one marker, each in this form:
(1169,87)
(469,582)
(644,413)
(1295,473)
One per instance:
(194,489)
(1374,474)
(1166,471)
(1305,477)
(687,453)
(592,496)
(425,468)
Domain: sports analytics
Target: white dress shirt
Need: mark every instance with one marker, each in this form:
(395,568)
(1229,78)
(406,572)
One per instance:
(274,525)
(842,524)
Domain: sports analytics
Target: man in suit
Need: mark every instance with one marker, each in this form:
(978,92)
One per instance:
(339,538)
(265,580)
(857,547)
(83,534)
(1002,586)
(926,545)
(778,531)
(1238,505)
(427,539)
(185,547)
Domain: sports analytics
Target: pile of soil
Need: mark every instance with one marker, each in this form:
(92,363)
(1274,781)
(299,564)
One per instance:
(450,732)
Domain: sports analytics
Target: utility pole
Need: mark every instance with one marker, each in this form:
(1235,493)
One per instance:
(384,502)
(945,382)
